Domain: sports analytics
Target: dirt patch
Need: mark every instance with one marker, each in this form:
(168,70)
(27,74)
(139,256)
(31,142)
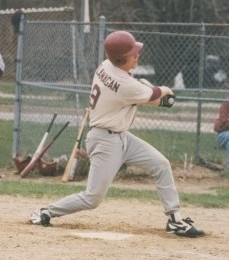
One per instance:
(139,225)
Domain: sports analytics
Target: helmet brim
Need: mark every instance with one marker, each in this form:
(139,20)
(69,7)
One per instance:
(135,50)
(138,46)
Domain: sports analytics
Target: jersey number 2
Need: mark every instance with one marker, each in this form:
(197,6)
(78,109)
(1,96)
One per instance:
(94,96)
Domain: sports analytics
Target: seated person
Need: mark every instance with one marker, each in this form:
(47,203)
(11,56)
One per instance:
(221,127)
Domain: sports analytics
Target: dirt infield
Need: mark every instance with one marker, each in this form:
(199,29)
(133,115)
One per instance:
(118,229)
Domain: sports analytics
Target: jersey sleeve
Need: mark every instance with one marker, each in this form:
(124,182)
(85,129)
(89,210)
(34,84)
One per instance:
(135,92)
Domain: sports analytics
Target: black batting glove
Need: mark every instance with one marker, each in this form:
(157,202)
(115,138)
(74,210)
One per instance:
(167,101)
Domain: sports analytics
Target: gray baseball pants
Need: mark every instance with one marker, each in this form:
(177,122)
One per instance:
(107,152)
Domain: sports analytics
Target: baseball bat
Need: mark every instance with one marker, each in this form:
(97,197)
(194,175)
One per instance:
(33,163)
(72,162)
(44,138)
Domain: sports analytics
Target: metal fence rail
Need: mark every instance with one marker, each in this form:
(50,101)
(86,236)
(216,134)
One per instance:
(56,62)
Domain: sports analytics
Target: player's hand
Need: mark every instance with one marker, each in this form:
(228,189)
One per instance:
(167,101)
(165,91)
(167,97)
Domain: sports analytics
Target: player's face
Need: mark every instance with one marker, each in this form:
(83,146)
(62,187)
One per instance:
(135,60)
(131,63)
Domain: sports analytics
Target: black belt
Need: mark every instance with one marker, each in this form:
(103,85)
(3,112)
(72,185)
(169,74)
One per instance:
(109,131)
(112,132)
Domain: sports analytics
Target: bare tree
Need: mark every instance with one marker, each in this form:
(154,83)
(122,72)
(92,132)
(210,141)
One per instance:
(209,11)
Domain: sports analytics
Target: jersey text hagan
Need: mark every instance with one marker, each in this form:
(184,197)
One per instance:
(107,80)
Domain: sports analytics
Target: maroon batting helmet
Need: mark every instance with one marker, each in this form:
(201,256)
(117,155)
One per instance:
(120,45)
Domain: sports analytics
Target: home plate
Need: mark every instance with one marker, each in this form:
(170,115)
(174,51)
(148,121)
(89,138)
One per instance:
(103,235)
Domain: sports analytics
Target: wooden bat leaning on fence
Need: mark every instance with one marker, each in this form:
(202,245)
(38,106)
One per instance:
(43,140)
(72,162)
(33,163)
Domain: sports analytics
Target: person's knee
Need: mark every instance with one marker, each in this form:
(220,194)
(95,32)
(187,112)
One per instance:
(93,201)
(163,167)
(164,164)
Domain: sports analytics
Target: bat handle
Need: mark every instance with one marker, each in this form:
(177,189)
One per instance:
(51,123)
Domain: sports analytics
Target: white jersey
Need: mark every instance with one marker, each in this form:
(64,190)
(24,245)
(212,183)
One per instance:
(114,96)
(2,64)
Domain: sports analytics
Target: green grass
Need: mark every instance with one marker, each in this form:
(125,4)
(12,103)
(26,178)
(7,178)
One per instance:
(33,132)
(6,140)
(220,200)
(32,189)
(6,101)
(194,93)
(37,189)
(8,88)
(174,145)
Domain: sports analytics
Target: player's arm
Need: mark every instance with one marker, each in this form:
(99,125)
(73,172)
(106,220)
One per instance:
(158,93)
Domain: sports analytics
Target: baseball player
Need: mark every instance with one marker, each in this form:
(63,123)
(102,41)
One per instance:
(114,98)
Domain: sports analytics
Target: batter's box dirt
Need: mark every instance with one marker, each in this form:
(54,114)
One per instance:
(144,221)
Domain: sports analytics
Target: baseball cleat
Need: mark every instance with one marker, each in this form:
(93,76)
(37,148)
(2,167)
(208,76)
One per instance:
(41,217)
(183,228)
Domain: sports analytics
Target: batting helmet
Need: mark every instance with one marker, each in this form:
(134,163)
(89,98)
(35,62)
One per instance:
(120,45)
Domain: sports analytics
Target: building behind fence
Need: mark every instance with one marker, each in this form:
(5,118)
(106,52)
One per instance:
(55,64)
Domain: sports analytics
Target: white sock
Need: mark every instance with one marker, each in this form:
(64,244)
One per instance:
(176,216)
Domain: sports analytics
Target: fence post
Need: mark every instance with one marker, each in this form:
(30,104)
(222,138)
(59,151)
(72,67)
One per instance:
(17,109)
(200,92)
(73,38)
(102,27)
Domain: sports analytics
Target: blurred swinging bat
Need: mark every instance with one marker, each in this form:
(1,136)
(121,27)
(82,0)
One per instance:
(39,154)
(72,162)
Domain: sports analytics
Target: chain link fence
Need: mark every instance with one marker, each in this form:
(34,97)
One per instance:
(55,65)
(9,26)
